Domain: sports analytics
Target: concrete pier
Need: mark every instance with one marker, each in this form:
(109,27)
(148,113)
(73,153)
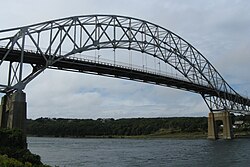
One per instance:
(13,111)
(223,116)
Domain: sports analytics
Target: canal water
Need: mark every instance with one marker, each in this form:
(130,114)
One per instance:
(67,152)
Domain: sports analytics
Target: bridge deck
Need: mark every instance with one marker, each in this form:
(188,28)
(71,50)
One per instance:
(106,69)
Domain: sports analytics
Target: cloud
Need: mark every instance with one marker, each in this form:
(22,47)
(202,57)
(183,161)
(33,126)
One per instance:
(63,94)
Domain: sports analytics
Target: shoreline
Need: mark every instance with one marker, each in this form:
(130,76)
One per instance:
(194,135)
(187,136)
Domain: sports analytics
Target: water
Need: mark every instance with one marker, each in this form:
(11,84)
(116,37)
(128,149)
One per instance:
(140,152)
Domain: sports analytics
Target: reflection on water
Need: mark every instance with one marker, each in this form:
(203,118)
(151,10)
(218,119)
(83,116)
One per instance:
(140,152)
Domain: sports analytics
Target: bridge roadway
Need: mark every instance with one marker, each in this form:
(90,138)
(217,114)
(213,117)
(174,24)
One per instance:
(117,71)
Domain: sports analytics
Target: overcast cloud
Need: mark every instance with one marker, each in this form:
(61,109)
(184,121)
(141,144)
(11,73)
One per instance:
(219,29)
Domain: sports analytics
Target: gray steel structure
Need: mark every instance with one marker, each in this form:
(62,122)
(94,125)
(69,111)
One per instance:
(78,34)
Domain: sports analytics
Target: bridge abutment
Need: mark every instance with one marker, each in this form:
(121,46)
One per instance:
(13,112)
(213,128)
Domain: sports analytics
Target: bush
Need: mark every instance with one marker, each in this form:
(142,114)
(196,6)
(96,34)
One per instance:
(9,162)
(12,138)
(13,151)
(5,161)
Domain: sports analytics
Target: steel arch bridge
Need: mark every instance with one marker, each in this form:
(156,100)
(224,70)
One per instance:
(56,44)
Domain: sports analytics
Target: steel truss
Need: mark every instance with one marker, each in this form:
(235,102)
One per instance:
(93,32)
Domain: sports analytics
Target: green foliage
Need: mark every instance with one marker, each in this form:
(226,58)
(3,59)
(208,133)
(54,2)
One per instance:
(5,161)
(12,138)
(22,155)
(110,127)
(13,150)
(8,162)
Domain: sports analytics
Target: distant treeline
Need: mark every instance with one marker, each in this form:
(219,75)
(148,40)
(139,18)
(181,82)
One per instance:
(110,127)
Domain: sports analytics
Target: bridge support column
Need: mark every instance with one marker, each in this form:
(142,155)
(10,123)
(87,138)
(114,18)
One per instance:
(13,112)
(213,128)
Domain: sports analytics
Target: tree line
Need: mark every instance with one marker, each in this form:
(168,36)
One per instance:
(59,127)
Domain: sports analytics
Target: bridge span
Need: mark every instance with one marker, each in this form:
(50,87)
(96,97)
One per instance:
(57,44)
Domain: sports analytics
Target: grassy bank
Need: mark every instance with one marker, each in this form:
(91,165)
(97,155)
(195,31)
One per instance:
(162,133)
(13,151)
(242,134)
(5,161)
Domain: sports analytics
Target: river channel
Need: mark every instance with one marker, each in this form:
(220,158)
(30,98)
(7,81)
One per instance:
(71,152)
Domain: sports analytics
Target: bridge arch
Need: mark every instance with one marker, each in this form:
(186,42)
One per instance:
(94,32)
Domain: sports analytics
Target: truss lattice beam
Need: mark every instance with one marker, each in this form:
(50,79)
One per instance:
(78,34)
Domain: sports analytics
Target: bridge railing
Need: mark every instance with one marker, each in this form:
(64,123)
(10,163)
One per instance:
(144,69)
(109,62)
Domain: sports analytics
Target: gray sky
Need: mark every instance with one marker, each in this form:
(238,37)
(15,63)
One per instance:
(218,29)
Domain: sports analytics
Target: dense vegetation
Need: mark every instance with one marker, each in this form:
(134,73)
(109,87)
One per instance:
(13,151)
(110,127)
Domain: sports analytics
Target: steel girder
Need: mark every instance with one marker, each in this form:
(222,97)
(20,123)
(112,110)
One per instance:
(78,34)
